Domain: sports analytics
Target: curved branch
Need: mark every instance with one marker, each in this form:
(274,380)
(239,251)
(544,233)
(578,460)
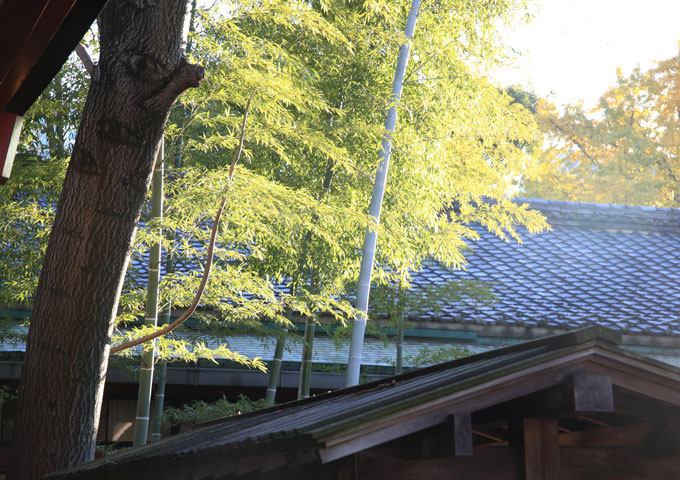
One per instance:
(211,247)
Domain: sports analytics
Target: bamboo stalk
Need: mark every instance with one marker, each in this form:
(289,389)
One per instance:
(151,316)
(158,402)
(159,398)
(306,363)
(371,238)
(275,370)
(400,343)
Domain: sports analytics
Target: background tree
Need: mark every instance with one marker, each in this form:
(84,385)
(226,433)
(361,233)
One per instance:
(321,85)
(624,151)
(460,141)
(27,202)
(274,229)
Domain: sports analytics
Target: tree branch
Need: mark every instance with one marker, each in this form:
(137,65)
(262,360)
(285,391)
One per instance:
(186,75)
(211,247)
(575,140)
(85,58)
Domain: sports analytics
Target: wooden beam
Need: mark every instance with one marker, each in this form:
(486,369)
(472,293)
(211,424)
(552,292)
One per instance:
(246,465)
(480,395)
(631,403)
(626,435)
(648,380)
(17,24)
(581,393)
(45,24)
(301,457)
(52,55)
(272,462)
(358,443)
(619,463)
(497,463)
(592,393)
(541,449)
(586,418)
(486,435)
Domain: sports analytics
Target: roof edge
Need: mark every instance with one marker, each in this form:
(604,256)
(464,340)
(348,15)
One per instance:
(606,216)
(560,340)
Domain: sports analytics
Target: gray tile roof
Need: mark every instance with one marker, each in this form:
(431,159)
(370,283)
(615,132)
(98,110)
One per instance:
(609,265)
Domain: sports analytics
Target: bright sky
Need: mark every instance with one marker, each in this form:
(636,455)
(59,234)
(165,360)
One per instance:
(572,47)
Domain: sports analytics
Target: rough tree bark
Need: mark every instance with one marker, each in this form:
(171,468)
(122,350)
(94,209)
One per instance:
(141,72)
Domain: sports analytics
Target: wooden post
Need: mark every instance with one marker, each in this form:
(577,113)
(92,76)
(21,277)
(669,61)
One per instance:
(348,469)
(462,433)
(541,449)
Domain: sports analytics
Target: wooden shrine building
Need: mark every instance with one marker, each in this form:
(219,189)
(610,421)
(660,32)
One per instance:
(569,406)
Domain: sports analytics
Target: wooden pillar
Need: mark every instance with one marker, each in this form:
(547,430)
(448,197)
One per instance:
(541,449)
(461,424)
(348,468)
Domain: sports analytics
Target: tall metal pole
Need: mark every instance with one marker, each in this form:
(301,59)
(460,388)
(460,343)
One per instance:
(371,238)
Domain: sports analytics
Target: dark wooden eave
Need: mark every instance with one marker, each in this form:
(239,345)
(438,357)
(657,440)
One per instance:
(579,377)
(36,36)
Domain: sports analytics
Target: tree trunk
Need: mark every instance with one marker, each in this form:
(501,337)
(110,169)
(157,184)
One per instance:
(141,72)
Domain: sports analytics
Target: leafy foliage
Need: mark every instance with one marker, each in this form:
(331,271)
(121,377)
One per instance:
(27,200)
(433,355)
(396,301)
(319,74)
(624,151)
(201,411)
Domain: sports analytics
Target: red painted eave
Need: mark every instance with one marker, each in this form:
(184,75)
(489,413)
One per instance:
(36,37)
(26,29)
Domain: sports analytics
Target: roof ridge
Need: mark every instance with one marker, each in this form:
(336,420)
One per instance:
(592,204)
(606,215)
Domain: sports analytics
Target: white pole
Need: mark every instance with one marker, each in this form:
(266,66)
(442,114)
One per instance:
(368,254)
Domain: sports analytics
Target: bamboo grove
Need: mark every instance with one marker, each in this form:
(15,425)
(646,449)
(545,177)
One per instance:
(319,75)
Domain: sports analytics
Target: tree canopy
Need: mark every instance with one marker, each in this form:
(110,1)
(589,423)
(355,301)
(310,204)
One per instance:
(624,151)
(320,87)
